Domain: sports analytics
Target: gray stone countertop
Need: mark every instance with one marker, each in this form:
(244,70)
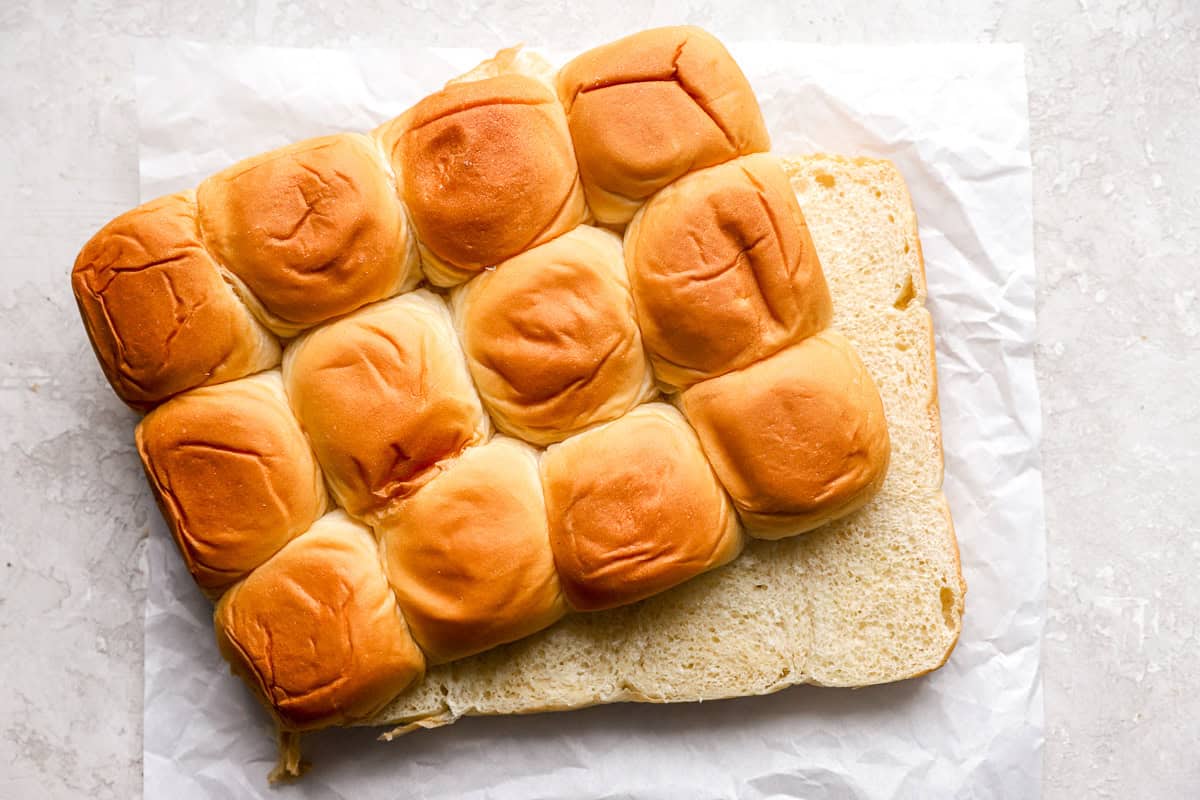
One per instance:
(1115,115)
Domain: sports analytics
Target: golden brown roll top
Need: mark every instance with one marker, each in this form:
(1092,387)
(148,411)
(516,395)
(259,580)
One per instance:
(798,439)
(634,509)
(316,631)
(156,309)
(487,170)
(551,339)
(313,230)
(469,554)
(724,271)
(233,475)
(646,109)
(384,396)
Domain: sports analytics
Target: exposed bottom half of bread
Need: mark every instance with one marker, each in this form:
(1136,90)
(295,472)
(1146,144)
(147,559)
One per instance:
(872,598)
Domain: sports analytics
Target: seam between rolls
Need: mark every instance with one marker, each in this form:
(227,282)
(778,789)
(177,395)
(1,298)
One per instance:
(761,194)
(234,283)
(411,265)
(576,184)
(381,559)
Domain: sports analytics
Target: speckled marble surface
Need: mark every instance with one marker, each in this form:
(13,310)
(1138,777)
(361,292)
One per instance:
(1115,115)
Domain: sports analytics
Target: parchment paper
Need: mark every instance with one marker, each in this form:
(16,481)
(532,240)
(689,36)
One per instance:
(954,119)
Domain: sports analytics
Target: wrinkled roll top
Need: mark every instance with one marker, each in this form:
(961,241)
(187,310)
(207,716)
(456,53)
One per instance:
(233,475)
(156,309)
(469,555)
(487,170)
(798,439)
(634,509)
(724,271)
(646,109)
(551,339)
(385,397)
(316,631)
(313,230)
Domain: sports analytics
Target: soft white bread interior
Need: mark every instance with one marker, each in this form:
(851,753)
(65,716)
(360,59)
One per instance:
(316,631)
(385,398)
(469,554)
(874,597)
(551,338)
(652,106)
(158,314)
(233,475)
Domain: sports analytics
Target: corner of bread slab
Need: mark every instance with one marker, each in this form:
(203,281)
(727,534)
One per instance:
(915,234)
(945,658)
(422,723)
(954,617)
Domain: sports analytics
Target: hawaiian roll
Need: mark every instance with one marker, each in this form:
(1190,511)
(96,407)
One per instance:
(798,439)
(724,271)
(634,509)
(551,339)
(487,170)
(312,230)
(233,475)
(316,632)
(384,395)
(157,311)
(469,557)
(646,109)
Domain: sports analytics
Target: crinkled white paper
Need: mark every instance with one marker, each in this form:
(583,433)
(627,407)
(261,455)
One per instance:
(954,120)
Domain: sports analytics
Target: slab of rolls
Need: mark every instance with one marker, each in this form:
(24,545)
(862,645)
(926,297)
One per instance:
(369,476)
